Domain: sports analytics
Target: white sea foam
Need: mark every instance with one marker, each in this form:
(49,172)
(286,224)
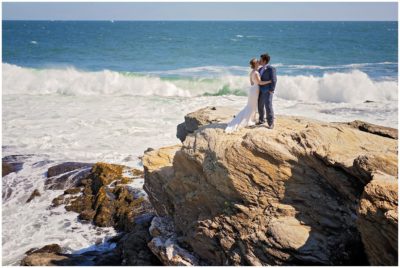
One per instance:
(35,224)
(70,81)
(351,87)
(354,86)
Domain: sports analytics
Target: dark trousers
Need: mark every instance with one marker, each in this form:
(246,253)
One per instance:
(265,101)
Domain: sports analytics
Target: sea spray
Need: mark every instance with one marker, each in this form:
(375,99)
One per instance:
(352,87)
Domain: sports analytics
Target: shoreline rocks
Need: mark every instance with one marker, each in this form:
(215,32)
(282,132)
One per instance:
(103,198)
(101,195)
(300,194)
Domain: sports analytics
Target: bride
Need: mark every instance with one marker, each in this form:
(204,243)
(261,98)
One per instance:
(246,117)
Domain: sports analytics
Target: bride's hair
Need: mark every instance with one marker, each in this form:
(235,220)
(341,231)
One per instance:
(253,63)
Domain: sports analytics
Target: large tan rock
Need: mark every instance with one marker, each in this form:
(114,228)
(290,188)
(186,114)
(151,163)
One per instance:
(269,197)
(378,220)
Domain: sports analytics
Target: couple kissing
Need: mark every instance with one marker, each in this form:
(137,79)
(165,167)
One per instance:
(263,82)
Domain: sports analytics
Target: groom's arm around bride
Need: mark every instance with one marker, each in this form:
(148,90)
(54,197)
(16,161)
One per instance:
(267,73)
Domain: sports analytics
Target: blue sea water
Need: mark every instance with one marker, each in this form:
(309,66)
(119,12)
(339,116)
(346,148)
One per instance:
(296,48)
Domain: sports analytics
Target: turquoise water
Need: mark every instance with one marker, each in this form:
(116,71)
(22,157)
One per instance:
(296,48)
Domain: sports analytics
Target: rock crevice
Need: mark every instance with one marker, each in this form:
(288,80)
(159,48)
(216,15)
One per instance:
(302,193)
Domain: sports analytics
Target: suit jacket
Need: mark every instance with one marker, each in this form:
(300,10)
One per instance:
(269,74)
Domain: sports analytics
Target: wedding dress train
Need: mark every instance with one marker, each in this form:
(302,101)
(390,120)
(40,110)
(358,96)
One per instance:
(246,117)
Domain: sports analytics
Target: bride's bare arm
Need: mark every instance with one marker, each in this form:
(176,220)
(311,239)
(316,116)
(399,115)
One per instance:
(261,83)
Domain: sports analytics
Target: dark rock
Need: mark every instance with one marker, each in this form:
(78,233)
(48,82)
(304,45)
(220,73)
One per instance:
(181,132)
(70,179)
(34,194)
(13,163)
(375,129)
(7,168)
(110,258)
(73,190)
(133,247)
(66,167)
(87,215)
(51,255)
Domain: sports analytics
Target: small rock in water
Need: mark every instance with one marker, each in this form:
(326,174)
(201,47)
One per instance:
(51,248)
(13,163)
(34,194)
(66,167)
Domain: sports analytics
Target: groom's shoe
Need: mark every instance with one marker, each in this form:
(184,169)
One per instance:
(271,126)
(260,123)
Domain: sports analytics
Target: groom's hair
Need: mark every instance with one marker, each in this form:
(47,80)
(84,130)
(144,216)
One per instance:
(265,57)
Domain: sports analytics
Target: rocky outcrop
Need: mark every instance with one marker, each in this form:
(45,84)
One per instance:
(285,196)
(203,117)
(378,220)
(104,198)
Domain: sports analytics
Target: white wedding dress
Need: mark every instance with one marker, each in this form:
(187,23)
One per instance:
(246,117)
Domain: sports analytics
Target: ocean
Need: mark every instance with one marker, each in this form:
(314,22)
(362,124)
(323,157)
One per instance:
(107,90)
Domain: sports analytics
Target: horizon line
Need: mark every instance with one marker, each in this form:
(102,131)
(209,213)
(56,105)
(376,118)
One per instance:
(184,20)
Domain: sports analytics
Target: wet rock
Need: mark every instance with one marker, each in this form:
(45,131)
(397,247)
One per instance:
(51,255)
(13,163)
(66,167)
(73,190)
(51,248)
(105,199)
(34,194)
(69,179)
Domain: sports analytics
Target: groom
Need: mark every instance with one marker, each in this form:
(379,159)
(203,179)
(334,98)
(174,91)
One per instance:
(267,73)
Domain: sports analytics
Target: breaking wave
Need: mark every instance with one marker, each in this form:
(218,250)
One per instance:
(353,86)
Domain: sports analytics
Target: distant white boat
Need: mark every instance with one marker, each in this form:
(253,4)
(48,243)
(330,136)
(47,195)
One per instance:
(112,21)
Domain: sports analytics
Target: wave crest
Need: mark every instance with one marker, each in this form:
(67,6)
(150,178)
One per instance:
(354,86)
(70,81)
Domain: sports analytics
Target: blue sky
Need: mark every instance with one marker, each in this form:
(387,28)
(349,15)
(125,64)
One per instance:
(200,11)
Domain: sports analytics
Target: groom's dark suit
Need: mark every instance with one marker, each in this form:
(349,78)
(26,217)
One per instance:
(267,73)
